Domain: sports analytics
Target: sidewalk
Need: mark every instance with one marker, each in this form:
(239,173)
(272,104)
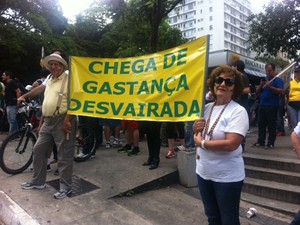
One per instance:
(99,182)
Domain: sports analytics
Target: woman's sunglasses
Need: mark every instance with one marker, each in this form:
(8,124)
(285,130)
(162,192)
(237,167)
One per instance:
(228,82)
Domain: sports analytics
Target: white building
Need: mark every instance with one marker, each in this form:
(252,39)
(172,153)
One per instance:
(224,20)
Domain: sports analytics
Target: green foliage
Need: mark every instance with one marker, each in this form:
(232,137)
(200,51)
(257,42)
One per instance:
(277,29)
(124,41)
(153,12)
(26,26)
(108,28)
(141,29)
(276,61)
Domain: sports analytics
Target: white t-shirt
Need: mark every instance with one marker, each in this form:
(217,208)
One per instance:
(49,76)
(297,130)
(46,80)
(220,166)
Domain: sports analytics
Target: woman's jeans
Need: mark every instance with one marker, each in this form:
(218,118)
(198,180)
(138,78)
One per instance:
(296,220)
(221,201)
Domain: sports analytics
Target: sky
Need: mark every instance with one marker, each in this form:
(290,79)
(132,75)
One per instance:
(74,7)
(257,5)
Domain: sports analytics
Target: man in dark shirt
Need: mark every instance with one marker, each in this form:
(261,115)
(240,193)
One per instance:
(12,92)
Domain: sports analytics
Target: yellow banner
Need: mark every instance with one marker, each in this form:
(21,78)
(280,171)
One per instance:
(165,86)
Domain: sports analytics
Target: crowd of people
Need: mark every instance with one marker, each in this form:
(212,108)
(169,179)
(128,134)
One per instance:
(218,137)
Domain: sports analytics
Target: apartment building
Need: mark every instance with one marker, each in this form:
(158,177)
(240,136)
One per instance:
(224,20)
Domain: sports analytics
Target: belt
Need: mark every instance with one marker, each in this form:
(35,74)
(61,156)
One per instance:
(54,116)
(51,119)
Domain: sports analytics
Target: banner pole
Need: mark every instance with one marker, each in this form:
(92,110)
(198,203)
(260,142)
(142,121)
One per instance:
(282,72)
(205,76)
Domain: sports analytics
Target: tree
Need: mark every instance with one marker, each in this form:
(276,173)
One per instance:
(130,32)
(26,26)
(109,28)
(276,61)
(153,12)
(129,35)
(277,29)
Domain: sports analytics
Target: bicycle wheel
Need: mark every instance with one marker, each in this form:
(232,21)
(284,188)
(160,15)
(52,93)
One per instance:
(16,152)
(86,140)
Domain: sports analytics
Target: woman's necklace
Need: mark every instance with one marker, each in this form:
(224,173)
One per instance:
(209,133)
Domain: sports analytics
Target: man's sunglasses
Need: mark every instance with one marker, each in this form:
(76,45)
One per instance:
(228,82)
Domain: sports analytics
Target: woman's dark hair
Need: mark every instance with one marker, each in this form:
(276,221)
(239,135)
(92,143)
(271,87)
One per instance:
(238,80)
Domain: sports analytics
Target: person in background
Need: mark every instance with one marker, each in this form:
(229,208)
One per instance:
(219,135)
(43,75)
(59,128)
(131,146)
(174,130)
(11,93)
(295,138)
(110,125)
(293,106)
(208,96)
(152,130)
(95,123)
(280,116)
(254,105)
(243,100)
(20,85)
(189,144)
(2,91)
(3,121)
(269,89)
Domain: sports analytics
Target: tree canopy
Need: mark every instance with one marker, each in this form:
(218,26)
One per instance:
(276,29)
(26,26)
(108,28)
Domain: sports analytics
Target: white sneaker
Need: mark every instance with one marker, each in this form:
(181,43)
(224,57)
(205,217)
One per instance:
(62,193)
(179,148)
(117,143)
(81,155)
(108,145)
(29,186)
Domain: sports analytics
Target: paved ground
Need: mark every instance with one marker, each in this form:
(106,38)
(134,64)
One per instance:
(97,199)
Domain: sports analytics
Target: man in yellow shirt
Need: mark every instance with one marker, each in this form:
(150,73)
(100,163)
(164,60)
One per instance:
(58,128)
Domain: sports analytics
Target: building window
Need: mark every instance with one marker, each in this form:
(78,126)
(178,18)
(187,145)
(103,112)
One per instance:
(210,9)
(210,27)
(210,18)
(225,25)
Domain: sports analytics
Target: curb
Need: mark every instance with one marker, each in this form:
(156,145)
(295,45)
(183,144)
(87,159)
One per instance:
(12,214)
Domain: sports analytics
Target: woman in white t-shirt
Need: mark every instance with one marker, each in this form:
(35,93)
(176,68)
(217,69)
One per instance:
(295,137)
(218,135)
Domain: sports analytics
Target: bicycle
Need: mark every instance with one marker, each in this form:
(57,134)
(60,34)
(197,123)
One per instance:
(86,142)
(16,149)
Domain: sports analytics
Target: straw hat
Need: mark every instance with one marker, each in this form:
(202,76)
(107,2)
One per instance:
(54,57)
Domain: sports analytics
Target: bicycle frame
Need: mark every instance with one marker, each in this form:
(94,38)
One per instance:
(29,129)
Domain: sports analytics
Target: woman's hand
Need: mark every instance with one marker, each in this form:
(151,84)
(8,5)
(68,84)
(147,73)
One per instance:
(197,139)
(199,125)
